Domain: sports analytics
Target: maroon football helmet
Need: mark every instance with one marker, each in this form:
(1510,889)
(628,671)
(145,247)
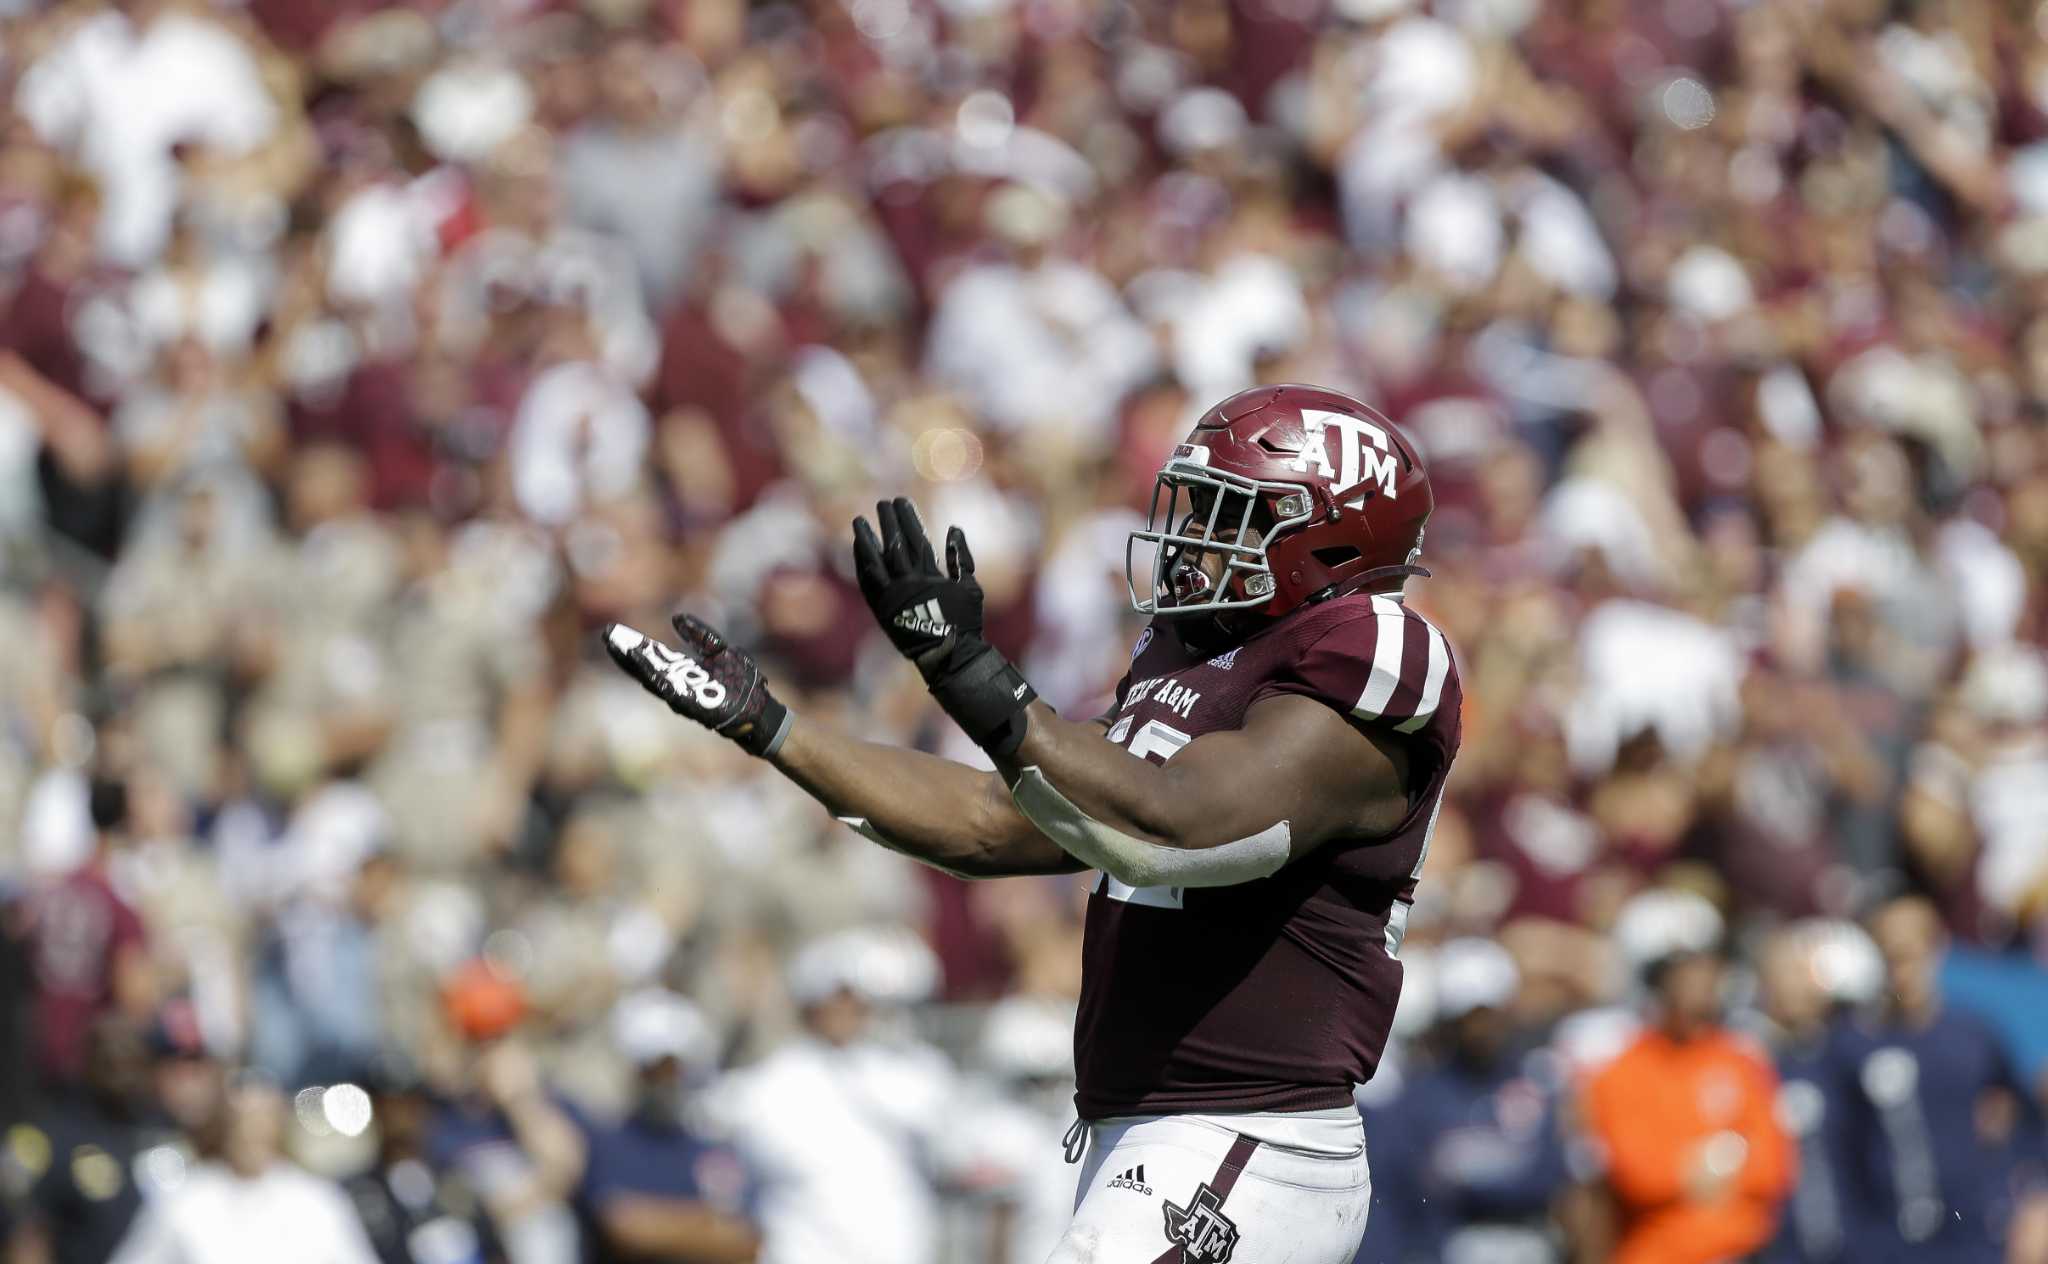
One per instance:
(1304,492)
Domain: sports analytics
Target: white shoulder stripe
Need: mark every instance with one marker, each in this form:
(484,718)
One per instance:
(1386,658)
(1432,682)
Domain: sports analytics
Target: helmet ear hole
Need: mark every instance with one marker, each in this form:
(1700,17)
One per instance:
(1335,555)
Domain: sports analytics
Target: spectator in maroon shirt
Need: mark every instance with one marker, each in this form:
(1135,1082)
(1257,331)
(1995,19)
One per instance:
(36,318)
(86,949)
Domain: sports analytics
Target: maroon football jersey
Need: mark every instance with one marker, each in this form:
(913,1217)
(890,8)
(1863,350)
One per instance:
(1275,994)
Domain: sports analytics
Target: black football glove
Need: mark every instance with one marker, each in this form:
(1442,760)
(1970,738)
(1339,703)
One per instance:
(926,614)
(934,619)
(708,681)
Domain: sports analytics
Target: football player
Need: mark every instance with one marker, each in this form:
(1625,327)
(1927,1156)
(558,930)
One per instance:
(1257,806)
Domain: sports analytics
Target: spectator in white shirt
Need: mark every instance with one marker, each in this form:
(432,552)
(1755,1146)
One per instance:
(1016,1120)
(1978,789)
(120,94)
(244,1204)
(1041,343)
(842,1125)
(579,439)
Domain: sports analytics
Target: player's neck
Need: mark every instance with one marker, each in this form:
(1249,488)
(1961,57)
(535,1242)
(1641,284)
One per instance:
(1223,632)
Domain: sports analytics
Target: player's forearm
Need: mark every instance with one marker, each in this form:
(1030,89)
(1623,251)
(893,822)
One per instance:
(948,815)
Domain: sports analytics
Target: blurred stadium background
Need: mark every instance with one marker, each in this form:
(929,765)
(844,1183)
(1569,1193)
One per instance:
(358,361)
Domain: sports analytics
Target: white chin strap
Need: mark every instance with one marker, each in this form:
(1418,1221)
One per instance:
(1136,862)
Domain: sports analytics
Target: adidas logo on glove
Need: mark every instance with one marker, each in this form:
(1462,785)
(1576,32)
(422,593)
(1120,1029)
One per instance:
(1133,1180)
(924,617)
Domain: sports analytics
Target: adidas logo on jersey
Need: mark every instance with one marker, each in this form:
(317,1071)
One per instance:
(924,617)
(1226,660)
(1133,1179)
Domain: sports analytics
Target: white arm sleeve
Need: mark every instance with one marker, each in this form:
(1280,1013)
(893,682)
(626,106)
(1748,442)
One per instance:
(1137,863)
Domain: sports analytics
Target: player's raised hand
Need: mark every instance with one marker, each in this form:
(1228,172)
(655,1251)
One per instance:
(929,614)
(706,680)
(933,618)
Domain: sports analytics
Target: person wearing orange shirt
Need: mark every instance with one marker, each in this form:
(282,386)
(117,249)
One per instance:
(1696,1160)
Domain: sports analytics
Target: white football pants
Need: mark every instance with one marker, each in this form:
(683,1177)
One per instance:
(1211,1189)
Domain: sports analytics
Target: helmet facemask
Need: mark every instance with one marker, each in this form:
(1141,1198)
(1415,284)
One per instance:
(1199,514)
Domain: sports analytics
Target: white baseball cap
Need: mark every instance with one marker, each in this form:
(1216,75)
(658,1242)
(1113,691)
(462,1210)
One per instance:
(1711,284)
(1202,119)
(2008,685)
(885,964)
(1027,1036)
(1662,923)
(1844,959)
(651,1024)
(1473,974)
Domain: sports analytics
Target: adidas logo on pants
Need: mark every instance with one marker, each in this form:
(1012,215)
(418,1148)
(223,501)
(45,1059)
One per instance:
(1132,1179)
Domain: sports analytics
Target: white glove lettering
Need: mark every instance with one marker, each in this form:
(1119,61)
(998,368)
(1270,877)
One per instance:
(687,678)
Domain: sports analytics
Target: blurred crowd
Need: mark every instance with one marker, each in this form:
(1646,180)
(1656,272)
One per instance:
(358,361)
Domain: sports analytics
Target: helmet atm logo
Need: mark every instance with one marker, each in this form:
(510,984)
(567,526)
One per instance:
(1363,453)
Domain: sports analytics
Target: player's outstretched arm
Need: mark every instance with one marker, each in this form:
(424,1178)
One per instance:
(1229,807)
(1297,773)
(946,814)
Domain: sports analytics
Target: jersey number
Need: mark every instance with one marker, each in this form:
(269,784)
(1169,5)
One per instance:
(1158,743)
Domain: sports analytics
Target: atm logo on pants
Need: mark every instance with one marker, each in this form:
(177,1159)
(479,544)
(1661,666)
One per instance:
(1205,1234)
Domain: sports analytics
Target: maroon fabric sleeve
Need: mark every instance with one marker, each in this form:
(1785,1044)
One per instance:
(1379,663)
